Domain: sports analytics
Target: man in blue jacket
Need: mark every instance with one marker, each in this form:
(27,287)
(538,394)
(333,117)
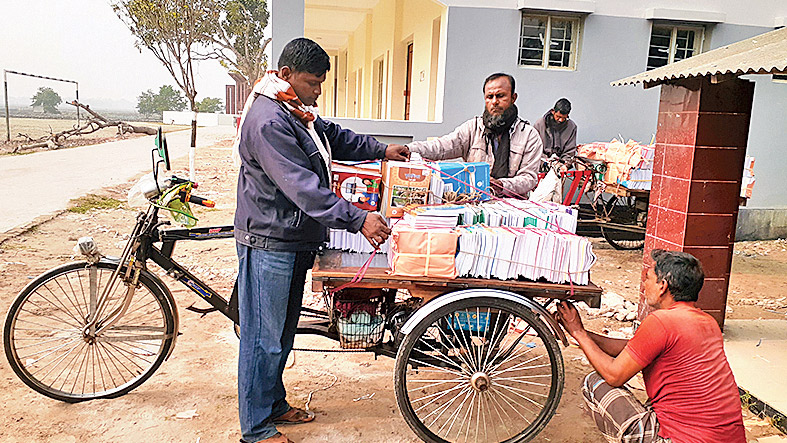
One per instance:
(285,207)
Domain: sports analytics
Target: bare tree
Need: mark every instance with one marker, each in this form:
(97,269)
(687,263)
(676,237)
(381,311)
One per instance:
(173,30)
(238,39)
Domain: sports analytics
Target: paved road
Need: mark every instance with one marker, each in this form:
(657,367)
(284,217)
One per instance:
(41,183)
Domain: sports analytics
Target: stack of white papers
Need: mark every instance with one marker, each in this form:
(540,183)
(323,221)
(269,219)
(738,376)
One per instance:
(522,213)
(510,212)
(347,241)
(444,216)
(533,253)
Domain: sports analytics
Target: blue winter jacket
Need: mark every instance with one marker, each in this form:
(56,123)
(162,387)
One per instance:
(285,201)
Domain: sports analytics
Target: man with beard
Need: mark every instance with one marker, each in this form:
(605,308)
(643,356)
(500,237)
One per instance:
(509,144)
(558,133)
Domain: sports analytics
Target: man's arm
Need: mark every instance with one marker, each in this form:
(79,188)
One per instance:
(275,148)
(616,370)
(609,345)
(526,178)
(347,145)
(570,146)
(453,145)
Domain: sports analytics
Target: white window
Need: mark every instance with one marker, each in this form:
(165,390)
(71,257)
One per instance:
(673,43)
(562,33)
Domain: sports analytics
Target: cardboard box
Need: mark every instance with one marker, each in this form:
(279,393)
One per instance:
(404,184)
(459,182)
(423,252)
(359,184)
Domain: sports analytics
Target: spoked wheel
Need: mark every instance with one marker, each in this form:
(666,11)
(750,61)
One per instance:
(479,370)
(623,210)
(49,347)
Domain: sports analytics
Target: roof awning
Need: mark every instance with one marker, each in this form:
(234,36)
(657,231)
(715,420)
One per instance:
(763,54)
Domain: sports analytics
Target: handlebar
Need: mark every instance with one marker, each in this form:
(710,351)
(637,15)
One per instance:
(201,201)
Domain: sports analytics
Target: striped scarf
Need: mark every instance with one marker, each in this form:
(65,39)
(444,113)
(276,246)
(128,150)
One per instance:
(273,87)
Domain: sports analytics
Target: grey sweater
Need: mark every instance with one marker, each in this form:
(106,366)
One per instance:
(560,140)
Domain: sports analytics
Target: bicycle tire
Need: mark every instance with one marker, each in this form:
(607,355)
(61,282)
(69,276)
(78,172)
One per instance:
(624,212)
(47,349)
(409,382)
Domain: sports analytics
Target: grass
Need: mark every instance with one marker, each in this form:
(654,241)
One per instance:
(84,204)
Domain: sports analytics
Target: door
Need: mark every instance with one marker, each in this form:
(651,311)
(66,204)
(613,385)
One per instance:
(408,81)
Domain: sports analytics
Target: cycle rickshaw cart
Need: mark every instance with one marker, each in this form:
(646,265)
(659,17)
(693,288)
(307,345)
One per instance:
(476,359)
(620,213)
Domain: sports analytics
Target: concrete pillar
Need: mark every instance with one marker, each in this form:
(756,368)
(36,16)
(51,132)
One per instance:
(700,150)
(287,23)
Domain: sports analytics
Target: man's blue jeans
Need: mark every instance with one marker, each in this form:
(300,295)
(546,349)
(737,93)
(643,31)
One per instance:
(270,292)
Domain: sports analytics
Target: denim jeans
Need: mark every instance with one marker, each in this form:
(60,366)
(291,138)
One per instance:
(270,292)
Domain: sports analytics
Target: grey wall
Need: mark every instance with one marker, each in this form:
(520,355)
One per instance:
(286,24)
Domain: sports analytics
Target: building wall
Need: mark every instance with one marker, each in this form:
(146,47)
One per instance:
(480,41)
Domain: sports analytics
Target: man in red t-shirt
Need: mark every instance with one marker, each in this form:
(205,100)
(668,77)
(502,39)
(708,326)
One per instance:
(680,351)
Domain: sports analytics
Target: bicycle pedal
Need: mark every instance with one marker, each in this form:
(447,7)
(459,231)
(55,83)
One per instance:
(203,311)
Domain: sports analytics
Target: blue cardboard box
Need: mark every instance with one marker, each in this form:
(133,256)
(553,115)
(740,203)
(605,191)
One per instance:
(466,179)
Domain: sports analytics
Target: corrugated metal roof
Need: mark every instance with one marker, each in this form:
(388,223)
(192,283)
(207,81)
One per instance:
(763,54)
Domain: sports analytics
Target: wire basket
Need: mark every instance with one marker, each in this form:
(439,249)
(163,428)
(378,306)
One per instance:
(358,316)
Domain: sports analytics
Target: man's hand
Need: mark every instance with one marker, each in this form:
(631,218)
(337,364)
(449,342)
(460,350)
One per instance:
(569,318)
(375,229)
(397,152)
(496,187)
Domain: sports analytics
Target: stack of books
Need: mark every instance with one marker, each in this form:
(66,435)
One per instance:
(532,253)
(507,212)
(347,241)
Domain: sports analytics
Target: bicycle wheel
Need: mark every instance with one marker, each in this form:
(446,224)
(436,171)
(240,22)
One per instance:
(49,348)
(481,370)
(623,210)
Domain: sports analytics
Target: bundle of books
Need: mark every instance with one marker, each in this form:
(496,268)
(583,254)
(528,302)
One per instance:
(506,212)
(747,181)
(622,159)
(458,182)
(352,242)
(358,183)
(532,253)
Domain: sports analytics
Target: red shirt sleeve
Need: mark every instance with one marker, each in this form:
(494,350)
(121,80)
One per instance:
(648,342)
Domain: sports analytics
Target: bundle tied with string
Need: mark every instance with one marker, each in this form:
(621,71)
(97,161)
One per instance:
(404,184)
(358,183)
(448,186)
(513,249)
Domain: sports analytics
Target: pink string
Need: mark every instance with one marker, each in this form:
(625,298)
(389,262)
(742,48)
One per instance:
(362,271)
(494,197)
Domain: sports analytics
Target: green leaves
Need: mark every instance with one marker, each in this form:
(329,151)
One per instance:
(210,104)
(167,99)
(48,99)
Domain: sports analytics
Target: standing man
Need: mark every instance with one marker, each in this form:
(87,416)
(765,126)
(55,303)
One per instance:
(558,133)
(285,207)
(498,137)
(680,351)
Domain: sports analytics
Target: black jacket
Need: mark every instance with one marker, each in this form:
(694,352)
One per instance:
(285,200)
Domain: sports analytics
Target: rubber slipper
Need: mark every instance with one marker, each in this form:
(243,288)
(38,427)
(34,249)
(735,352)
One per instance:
(294,416)
(278,438)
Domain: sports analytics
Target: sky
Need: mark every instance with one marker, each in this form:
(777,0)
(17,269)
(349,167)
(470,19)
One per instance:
(83,40)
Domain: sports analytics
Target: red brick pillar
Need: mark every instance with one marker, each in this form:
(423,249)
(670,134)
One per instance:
(700,149)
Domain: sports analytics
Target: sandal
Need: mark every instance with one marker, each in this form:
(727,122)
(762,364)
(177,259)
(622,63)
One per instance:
(278,438)
(294,416)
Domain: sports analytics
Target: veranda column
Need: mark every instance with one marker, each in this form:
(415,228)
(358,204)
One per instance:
(700,150)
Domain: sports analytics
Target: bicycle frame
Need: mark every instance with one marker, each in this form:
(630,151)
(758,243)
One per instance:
(141,248)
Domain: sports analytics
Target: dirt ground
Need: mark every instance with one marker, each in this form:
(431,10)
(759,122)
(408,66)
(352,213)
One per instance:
(192,397)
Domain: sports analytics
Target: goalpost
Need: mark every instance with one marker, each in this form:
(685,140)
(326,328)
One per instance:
(5,87)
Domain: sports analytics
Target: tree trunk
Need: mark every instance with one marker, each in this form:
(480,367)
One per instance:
(193,147)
